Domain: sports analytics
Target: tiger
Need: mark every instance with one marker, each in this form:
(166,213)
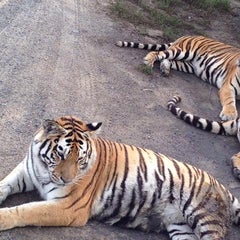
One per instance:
(81,176)
(214,62)
(227,128)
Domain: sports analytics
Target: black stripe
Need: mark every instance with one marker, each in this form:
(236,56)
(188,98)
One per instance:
(143,166)
(52,189)
(23,185)
(142,201)
(32,168)
(189,174)
(115,164)
(154,198)
(188,202)
(188,68)
(126,169)
(159,184)
(178,170)
(186,55)
(43,144)
(211,222)
(209,232)
(127,218)
(201,183)
(118,203)
(19,186)
(177,53)
(197,218)
(171,187)
(109,151)
(235,90)
(139,182)
(181,189)
(200,206)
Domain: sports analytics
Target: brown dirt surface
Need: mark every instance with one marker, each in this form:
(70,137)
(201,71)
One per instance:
(58,58)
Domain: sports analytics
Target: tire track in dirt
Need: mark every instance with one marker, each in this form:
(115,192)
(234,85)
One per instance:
(13,8)
(73,87)
(25,68)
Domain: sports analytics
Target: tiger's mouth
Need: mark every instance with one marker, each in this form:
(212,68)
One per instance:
(61,180)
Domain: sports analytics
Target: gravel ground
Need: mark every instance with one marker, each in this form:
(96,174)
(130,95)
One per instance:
(58,58)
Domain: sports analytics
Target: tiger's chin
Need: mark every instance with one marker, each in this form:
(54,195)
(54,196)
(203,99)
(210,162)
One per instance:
(62,181)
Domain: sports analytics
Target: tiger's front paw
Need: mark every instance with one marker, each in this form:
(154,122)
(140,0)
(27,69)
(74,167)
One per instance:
(150,58)
(8,220)
(228,113)
(236,165)
(165,66)
(4,192)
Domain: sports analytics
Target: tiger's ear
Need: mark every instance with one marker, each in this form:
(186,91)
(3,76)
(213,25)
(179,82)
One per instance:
(51,127)
(94,127)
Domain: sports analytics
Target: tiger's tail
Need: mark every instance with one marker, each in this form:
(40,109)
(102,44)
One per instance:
(222,128)
(145,46)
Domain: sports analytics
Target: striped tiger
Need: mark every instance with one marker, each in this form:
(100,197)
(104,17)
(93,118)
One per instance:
(230,128)
(82,176)
(212,61)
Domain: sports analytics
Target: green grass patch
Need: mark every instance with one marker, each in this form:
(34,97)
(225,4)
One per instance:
(210,5)
(123,10)
(145,69)
(170,16)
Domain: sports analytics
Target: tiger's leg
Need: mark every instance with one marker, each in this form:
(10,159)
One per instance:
(209,219)
(172,53)
(180,231)
(166,65)
(44,213)
(236,165)
(167,62)
(16,181)
(228,101)
(150,58)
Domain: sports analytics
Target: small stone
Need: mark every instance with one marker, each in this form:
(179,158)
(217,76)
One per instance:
(155,33)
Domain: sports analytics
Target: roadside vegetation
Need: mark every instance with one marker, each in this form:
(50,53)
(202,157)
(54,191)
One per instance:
(173,17)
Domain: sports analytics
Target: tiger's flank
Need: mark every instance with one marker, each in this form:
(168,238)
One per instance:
(81,176)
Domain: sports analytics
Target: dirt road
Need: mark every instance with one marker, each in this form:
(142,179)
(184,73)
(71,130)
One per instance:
(58,58)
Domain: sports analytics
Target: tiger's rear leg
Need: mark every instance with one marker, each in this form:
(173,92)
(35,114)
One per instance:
(181,231)
(236,165)
(151,58)
(228,100)
(166,65)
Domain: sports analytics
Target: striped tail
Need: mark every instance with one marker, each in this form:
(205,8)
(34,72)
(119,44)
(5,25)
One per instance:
(221,128)
(145,46)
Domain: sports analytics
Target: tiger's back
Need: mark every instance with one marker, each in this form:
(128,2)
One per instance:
(82,177)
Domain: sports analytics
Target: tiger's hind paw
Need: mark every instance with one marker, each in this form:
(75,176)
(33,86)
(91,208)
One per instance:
(236,165)
(228,113)
(150,58)
(4,192)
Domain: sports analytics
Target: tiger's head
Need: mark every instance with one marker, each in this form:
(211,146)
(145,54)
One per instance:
(65,148)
